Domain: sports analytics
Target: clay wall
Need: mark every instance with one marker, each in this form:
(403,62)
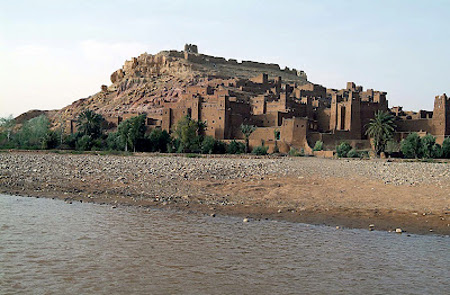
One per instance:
(322,116)
(414,125)
(294,132)
(258,104)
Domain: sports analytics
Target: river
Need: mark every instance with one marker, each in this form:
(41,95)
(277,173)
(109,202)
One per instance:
(50,247)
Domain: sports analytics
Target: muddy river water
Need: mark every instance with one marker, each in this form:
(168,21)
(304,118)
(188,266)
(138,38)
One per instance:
(50,247)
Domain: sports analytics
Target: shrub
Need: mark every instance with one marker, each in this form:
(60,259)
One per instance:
(446,148)
(353,154)
(260,150)
(293,152)
(426,146)
(236,147)
(436,151)
(343,149)
(212,146)
(318,146)
(411,146)
(207,146)
(84,143)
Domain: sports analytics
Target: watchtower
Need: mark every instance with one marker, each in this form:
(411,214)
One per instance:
(190,48)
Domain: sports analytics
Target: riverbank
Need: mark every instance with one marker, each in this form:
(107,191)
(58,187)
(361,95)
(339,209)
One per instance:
(413,196)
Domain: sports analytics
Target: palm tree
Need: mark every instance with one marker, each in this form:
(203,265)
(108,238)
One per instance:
(381,129)
(90,123)
(247,130)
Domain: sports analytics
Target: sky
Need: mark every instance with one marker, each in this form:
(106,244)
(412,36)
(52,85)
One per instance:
(55,52)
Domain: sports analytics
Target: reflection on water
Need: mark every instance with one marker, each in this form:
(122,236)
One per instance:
(49,247)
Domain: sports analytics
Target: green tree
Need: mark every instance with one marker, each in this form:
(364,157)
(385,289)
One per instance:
(6,127)
(132,132)
(158,140)
(189,132)
(34,133)
(446,148)
(426,146)
(381,130)
(411,146)
(113,142)
(247,130)
(90,123)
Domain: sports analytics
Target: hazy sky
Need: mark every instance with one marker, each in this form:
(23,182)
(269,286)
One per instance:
(54,52)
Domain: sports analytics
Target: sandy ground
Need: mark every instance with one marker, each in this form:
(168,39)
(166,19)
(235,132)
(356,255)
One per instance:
(413,196)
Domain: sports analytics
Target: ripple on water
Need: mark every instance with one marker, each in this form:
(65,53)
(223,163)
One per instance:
(47,246)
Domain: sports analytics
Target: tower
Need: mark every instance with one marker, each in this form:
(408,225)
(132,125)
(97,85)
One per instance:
(441,117)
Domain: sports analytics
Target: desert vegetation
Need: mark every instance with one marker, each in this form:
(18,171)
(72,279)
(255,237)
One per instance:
(188,136)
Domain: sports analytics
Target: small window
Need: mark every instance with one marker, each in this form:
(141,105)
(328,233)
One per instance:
(213,122)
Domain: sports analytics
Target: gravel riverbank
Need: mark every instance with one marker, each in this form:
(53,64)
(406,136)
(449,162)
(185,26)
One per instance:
(353,193)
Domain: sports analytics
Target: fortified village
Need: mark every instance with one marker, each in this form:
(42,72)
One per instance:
(226,94)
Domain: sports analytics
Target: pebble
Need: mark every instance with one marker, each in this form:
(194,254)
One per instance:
(245,220)
(398,230)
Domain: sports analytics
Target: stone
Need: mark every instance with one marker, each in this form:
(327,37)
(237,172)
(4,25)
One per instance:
(398,230)
(245,220)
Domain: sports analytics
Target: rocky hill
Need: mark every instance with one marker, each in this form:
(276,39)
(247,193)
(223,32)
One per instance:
(147,81)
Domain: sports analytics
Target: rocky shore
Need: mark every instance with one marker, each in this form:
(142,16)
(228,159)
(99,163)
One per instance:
(412,196)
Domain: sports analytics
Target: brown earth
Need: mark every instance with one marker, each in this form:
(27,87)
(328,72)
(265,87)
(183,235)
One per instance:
(355,194)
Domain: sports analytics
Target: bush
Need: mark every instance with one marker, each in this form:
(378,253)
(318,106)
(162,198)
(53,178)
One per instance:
(293,152)
(318,146)
(84,143)
(411,146)
(426,146)
(207,146)
(212,146)
(436,151)
(446,148)
(260,150)
(353,154)
(343,149)
(236,147)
